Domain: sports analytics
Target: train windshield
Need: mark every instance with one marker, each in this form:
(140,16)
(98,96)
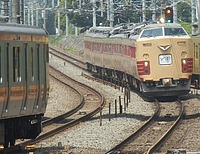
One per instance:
(174,32)
(156,32)
(152,32)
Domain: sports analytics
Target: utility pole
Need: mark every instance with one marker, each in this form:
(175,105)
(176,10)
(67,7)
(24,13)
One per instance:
(101,8)
(22,11)
(53,4)
(29,14)
(111,13)
(67,20)
(94,13)
(37,14)
(193,14)
(154,10)
(15,8)
(79,7)
(44,18)
(24,14)
(198,11)
(143,11)
(58,17)
(108,10)
(174,11)
(32,15)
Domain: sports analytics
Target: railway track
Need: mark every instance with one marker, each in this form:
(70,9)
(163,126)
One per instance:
(80,64)
(70,59)
(69,113)
(91,102)
(107,83)
(150,136)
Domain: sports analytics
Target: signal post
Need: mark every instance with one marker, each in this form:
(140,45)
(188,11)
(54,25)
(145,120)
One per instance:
(169,15)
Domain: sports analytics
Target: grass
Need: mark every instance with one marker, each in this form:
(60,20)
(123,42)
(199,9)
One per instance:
(187,27)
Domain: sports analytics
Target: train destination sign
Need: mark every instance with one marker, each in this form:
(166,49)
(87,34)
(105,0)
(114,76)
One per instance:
(165,59)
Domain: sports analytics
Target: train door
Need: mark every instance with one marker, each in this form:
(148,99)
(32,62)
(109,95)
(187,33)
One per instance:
(26,106)
(39,76)
(6,77)
(44,76)
(16,80)
(30,73)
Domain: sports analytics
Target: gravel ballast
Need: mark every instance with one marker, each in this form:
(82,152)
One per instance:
(90,136)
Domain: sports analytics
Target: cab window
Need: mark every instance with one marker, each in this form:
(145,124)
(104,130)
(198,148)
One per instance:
(152,32)
(174,32)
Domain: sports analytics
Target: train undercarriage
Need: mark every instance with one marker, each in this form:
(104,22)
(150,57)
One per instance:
(28,127)
(164,87)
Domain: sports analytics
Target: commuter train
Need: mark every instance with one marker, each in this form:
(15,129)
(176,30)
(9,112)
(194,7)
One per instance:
(24,81)
(196,67)
(156,59)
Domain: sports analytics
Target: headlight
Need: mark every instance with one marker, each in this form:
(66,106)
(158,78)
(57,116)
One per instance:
(184,61)
(146,63)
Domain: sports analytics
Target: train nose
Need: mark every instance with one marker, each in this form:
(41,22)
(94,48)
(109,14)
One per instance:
(166,82)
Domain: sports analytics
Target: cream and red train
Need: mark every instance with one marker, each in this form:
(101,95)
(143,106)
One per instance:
(196,63)
(157,58)
(24,81)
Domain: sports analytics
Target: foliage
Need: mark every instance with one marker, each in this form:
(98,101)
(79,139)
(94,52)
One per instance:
(184,12)
(187,26)
(54,39)
(71,49)
(125,11)
(50,22)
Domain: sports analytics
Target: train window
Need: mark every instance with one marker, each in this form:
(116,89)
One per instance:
(26,62)
(0,66)
(109,48)
(174,32)
(119,49)
(113,48)
(32,64)
(152,32)
(132,49)
(7,61)
(44,52)
(197,53)
(16,65)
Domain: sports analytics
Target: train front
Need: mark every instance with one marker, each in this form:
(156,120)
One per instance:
(164,60)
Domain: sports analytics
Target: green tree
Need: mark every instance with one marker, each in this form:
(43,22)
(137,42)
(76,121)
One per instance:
(50,23)
(184,12)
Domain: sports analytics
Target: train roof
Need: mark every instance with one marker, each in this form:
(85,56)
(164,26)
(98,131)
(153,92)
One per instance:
(21,29)
(126,31)
(99,31)
(170,25)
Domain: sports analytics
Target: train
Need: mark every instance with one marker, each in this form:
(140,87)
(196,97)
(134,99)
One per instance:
(196,61)
(157,59)
(24,81)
